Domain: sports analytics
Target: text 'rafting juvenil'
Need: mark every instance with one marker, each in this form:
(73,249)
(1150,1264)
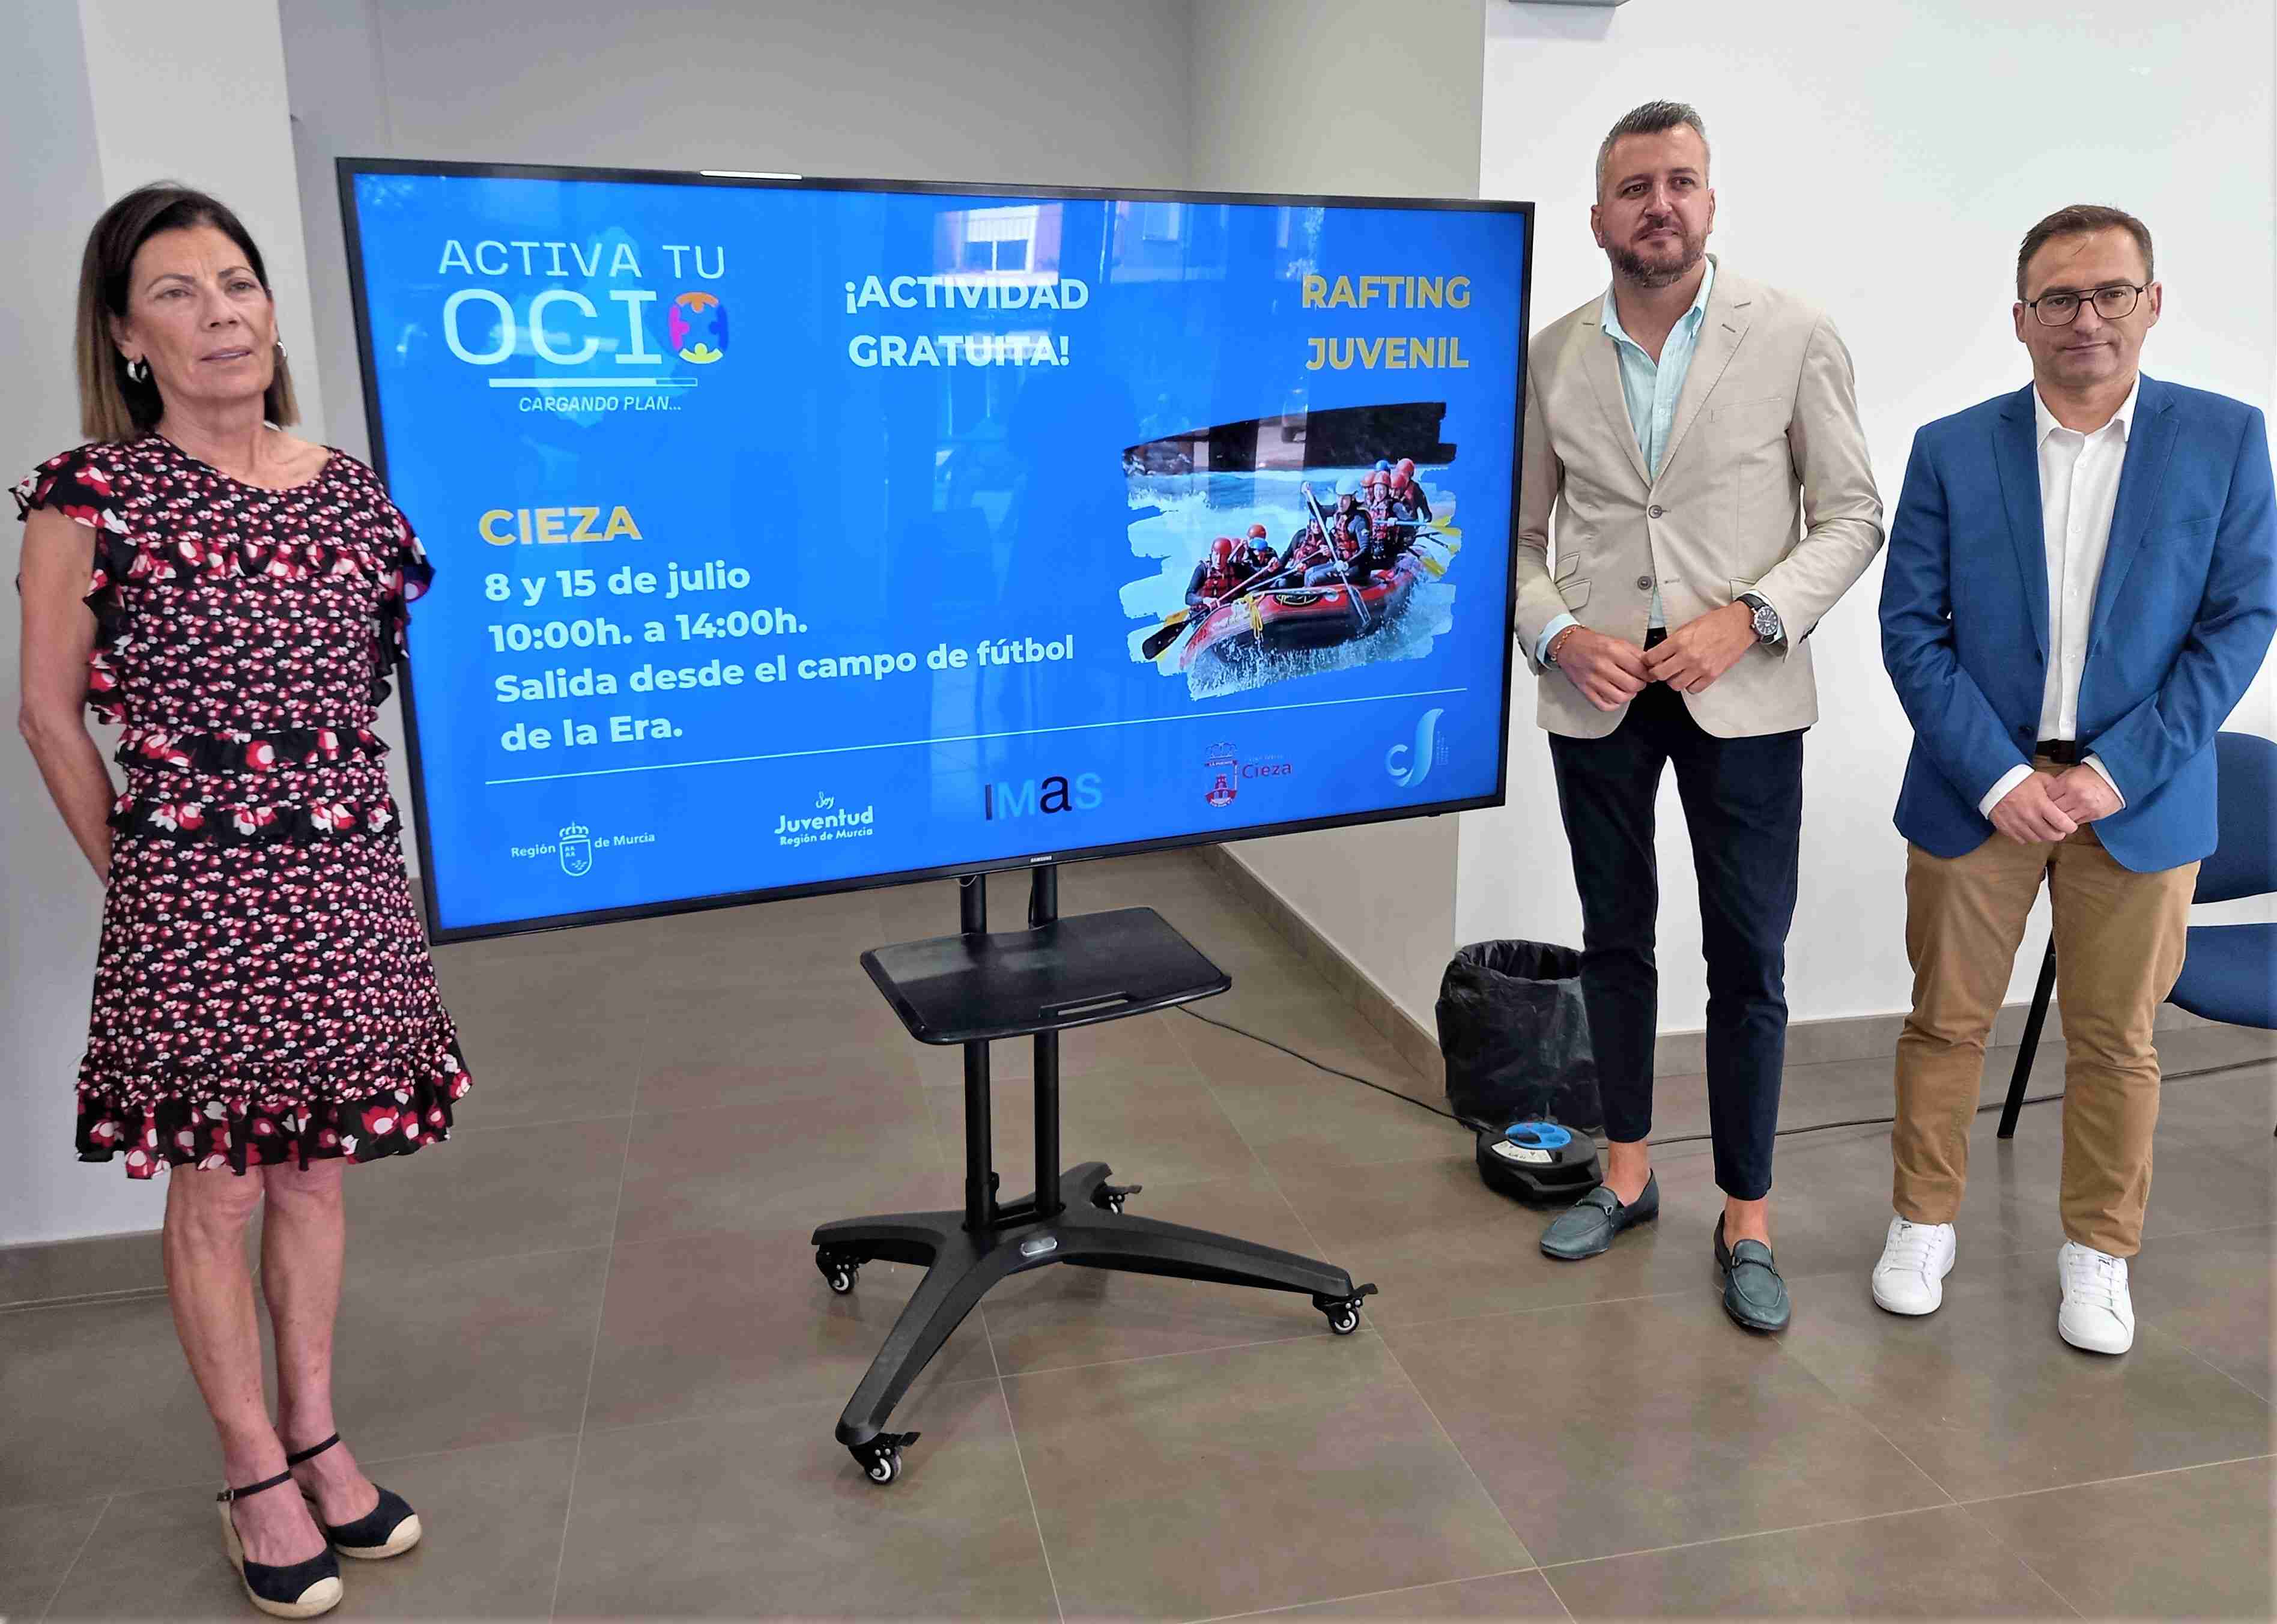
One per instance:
(1391,354)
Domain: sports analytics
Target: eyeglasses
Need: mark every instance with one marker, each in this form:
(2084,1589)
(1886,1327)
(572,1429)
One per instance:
(2061,309)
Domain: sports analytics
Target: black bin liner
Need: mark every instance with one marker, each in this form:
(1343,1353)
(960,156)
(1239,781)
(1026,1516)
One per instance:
(1515,1036)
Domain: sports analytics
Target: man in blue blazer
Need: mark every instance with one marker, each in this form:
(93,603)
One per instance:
(2081,583)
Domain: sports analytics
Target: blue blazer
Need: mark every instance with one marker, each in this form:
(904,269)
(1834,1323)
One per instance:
(2183,613)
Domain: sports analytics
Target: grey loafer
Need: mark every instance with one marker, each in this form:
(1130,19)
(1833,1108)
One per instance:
(1589,1226)
(1754,1294)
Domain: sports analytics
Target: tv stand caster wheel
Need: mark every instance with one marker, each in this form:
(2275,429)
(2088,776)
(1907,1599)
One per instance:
(1344,1312)
(1109,1197)
(880,1458)
(840,1268)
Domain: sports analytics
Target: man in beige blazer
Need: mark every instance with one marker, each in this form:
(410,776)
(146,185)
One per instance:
(1695,496)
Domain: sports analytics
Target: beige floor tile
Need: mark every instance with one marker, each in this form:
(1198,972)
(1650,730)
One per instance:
(491,1193)
(768,1516)
(1625,1426)
(94,1398)
(2193,1543)
(98,1266)
(2212,1293)
(729,1324)
(1506,1596)
(1150,1129)
(440,1356)
(1931,1563)
(39,1541)
(1225,1481)
(1986,1399)
(743,1170)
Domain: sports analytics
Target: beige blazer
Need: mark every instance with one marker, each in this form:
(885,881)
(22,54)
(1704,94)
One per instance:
(1765,487)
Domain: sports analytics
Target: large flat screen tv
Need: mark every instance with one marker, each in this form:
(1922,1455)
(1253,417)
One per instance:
(795,535)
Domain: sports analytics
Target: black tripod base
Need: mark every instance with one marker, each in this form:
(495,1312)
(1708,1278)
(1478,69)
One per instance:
(1084,1226)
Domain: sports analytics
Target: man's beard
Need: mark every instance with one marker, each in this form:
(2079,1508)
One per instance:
(1634,265)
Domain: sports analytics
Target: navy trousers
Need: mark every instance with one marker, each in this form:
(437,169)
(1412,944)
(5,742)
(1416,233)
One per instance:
(1743,807)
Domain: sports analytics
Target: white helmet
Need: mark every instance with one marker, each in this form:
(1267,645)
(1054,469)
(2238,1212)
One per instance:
(1349,486)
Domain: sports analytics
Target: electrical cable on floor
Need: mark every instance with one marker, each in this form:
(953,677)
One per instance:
(1686,1138)
(1319,1065)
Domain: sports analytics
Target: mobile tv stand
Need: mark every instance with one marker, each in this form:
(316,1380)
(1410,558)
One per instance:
(972,988)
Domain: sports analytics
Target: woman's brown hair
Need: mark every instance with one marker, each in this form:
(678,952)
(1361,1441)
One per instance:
(113,405)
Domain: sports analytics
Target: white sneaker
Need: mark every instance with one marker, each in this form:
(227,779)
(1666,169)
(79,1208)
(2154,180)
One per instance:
(1916,1259)
(2098,1314)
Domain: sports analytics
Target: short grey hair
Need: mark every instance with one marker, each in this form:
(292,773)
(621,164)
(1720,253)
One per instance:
(1652,118)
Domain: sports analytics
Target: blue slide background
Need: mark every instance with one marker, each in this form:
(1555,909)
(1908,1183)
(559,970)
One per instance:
(884,508)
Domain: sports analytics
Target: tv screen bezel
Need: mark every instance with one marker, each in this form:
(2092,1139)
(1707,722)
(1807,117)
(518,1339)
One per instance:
(349,169)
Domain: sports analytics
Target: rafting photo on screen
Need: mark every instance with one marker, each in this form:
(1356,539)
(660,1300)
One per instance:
(1293,545)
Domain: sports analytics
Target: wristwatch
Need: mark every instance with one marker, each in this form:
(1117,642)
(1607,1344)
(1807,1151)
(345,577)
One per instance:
(1767,626)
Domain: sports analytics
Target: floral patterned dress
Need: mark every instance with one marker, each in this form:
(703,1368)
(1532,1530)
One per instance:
(262,992)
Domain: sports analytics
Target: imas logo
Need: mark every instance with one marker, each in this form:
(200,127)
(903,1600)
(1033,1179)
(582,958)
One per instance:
(697,324)
(1410,765)
(577,850)
(1030,796)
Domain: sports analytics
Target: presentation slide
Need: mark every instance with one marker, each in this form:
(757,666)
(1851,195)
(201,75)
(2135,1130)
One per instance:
(791,536)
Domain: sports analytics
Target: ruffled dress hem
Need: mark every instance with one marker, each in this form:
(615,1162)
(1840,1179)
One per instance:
(236,1121)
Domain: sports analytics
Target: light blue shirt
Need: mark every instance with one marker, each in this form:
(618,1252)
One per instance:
(1650,390)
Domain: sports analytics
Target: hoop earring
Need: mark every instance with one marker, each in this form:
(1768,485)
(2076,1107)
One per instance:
(282,353)
(139,371)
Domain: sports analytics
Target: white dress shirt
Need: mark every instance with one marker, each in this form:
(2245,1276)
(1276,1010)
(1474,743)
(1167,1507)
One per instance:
(2079,489)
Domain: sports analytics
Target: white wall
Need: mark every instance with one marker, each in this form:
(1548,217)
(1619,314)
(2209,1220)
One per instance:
(1258,67)
(1884,161)
(88,114)
(1407,90)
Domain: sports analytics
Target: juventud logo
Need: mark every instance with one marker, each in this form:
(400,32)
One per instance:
(827,820)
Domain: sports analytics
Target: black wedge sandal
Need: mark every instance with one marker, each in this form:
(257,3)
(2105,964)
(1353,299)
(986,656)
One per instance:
(301,1590)
(389,1529)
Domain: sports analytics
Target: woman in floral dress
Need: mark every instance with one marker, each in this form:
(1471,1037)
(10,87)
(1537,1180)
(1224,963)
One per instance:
(264,1011)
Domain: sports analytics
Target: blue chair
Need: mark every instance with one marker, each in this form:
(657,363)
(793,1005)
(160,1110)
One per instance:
(2230,972)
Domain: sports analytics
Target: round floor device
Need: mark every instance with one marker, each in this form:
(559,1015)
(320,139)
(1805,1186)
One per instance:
(1538,1162)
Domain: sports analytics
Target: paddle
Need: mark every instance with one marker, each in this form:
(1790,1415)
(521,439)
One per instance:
(1359,611)
(1181,620)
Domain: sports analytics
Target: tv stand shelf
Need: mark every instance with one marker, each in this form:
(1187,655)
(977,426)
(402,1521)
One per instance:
(1070,973)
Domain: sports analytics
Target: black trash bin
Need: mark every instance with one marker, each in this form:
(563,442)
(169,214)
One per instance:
(1516,1038)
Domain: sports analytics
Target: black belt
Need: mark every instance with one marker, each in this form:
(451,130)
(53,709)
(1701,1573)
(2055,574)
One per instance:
(1655,636)
(2063,753)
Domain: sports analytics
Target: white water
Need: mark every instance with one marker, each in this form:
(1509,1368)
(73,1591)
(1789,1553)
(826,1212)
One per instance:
(1196,509)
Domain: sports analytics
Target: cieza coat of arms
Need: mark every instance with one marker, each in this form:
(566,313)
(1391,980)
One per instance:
(1222,763)
(577,850)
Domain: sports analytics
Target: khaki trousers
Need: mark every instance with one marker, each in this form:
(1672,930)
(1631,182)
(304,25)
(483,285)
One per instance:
(2118,947)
